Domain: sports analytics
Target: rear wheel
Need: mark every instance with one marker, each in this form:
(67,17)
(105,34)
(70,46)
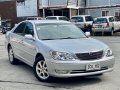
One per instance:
(40,70)
(112,32)
(12,59)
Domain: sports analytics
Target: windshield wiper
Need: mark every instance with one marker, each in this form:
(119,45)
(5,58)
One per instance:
(68,38)
(48,39)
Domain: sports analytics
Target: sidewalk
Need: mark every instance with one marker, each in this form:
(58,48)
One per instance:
(2,38)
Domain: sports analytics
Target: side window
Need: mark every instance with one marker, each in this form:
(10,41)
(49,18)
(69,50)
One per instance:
(77,19)
(29,29)
(19,30)
(63,18)
(111,19)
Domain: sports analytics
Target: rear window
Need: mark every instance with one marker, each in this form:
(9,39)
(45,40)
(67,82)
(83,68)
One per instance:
(77,19)
(51,18)
(63,18)
(88,18)
(101,20)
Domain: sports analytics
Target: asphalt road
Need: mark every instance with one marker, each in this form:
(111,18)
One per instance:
(21,77)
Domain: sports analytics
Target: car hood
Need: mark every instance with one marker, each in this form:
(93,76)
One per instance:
(81,45)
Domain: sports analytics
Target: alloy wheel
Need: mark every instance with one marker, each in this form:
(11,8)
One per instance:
(11,55)
(41,70)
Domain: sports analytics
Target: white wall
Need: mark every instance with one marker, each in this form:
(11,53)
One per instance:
(54,3)
(43,3)
(27,8)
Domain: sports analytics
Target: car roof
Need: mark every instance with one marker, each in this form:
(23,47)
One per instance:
(80,15)
(56,16)
(105,17)
(34,17)
(47,21)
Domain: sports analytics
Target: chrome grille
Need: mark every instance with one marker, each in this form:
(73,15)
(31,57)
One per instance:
(90,55)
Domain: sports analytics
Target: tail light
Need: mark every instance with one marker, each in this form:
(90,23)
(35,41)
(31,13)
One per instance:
(107,25)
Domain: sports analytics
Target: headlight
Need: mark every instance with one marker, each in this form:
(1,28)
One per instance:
(62,55)
(108,52)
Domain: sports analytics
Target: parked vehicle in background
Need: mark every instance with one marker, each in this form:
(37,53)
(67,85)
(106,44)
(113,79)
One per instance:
(34,18)
(57,18)
(57,49)
(106,24)
(82,21)
(5,25)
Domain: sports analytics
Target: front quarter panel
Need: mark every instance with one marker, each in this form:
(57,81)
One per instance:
(7,39)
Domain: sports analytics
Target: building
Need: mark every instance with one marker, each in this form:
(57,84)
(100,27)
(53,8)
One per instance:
(103,7)
(61,7)
(17,10)
(25,8)
(8,10)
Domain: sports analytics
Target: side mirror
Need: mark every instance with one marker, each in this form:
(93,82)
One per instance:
(87,34)
(29,37)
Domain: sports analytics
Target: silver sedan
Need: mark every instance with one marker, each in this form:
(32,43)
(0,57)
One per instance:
(57,49)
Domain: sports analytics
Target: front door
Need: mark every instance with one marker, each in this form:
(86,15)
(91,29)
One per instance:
(29,46)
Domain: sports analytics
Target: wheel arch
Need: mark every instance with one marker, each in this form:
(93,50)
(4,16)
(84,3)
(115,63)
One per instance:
(39,55)
(8,46)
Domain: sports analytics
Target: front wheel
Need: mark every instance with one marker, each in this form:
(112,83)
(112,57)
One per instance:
(40,70)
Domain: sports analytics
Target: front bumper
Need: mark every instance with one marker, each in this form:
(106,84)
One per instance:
(101,29)
(78,68)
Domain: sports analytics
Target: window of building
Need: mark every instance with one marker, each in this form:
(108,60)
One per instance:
(117,14)
(105,13)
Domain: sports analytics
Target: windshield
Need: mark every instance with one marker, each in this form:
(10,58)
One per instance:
(51,18)
(100,20)
(58,31)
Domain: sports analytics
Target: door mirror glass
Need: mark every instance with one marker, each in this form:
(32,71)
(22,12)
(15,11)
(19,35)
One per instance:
(87,34)
(29,36)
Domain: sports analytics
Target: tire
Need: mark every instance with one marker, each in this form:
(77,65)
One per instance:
(112,32)
(40,70)
(3,32)
(12,59)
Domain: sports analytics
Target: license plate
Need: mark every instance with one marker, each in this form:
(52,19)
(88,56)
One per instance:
(92,67)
